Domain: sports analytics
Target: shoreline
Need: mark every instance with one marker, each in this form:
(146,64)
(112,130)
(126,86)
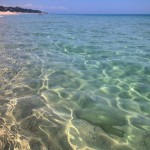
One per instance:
(8,13)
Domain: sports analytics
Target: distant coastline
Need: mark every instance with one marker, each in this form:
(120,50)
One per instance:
(18,10)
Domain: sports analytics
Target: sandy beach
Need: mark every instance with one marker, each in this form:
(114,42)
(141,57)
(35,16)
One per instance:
(8,13)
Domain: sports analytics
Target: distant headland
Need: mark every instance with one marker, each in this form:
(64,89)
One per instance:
(19,10)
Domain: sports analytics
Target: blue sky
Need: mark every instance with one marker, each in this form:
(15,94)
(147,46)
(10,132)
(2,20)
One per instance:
(84,6)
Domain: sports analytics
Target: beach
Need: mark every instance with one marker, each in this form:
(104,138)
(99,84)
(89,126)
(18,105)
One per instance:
(8,13)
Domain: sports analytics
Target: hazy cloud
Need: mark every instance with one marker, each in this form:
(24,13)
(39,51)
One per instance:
(57,8)
(27,5)
(51,8)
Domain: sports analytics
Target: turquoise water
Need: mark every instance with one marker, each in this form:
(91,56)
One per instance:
(75,82)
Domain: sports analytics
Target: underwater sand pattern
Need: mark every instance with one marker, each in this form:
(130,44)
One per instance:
(74,82)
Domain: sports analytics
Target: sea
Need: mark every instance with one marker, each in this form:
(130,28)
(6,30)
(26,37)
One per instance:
(75,82)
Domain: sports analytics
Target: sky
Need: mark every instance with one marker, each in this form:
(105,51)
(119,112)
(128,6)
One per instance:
(84,6)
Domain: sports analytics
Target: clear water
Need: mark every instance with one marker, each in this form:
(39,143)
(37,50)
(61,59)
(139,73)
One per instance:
(75,82)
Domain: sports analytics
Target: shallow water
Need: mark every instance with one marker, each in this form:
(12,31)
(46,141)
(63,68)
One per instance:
(77,82)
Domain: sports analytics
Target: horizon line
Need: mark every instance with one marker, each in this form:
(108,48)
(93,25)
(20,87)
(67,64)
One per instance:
(98,13)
